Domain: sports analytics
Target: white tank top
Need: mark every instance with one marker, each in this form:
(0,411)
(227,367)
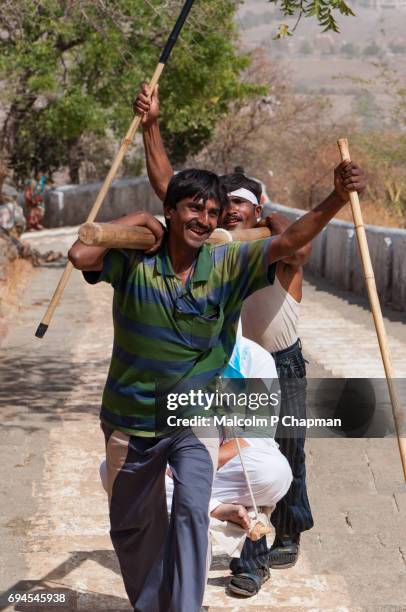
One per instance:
(270,317)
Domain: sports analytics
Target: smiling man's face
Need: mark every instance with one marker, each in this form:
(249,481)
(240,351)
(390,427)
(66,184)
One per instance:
(192,221)
(239,214)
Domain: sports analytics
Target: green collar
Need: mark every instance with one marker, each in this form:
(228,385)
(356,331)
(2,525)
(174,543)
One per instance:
(204,264)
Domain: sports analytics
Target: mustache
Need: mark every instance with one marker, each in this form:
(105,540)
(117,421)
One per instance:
(232,217)
(197,225)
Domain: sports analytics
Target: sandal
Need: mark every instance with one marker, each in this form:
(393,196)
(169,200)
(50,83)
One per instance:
(248,584)
(284,552)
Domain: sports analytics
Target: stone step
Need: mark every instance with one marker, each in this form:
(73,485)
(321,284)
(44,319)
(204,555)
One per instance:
(287,589)
(345,341)
(93,583)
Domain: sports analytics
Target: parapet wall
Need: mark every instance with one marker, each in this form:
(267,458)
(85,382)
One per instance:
(334,254)
(335,257)
(71,204)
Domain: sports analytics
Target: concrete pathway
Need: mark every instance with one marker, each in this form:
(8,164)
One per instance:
(54,522)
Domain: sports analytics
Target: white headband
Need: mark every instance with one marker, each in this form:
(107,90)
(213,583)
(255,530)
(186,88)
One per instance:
(245,194)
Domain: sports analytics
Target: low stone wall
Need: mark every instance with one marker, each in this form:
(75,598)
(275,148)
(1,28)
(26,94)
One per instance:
(335,257)
(71,204)
(334,254)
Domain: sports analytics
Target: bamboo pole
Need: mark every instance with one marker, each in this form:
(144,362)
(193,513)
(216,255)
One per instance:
(398,412)
(43,326)
(257,529)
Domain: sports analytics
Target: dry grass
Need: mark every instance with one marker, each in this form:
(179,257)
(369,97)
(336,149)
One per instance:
(374,213)
(11,290)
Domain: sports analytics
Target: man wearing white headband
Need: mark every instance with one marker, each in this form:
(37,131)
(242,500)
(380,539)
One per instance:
(243,194)
(269,318)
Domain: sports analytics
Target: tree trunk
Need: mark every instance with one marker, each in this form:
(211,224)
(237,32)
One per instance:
(19,108)
(75,158)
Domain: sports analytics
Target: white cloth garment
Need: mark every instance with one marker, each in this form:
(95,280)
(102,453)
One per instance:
(245,194)
(268,470)
(270,317)
(229,538)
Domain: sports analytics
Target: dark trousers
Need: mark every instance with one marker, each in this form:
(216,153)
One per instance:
(292,514)
(164,565)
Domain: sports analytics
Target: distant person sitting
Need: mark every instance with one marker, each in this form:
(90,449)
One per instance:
(35,205)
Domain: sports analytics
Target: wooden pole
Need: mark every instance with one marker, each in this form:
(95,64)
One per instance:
(43,326)
(398,413)
(115,236)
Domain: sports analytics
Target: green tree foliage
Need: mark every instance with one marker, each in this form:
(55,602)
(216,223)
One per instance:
(72,67)
(324,11)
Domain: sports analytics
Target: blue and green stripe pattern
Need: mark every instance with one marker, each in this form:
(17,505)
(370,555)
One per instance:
(167,335)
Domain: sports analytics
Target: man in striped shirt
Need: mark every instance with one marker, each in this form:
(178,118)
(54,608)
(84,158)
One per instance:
(175,316)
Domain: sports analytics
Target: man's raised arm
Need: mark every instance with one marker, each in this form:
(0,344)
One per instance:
(347,177)
(159,167)
(278,223)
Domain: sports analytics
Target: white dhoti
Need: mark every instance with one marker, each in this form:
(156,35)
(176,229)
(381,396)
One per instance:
(268,470)
(270,477)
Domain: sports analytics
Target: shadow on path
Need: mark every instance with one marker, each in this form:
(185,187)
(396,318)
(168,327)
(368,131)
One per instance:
(88,600)
(34,387)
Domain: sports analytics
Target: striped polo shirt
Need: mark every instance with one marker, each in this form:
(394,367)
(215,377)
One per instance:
(173,336)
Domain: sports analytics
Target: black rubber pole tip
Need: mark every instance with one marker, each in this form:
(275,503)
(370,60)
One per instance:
(41,330)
